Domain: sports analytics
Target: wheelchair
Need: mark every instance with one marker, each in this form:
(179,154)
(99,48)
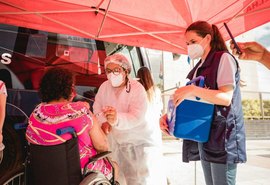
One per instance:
(60,164)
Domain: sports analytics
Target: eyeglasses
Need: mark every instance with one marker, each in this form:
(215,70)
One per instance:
(115,71)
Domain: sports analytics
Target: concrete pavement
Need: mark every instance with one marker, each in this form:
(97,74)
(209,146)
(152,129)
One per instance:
(255,172)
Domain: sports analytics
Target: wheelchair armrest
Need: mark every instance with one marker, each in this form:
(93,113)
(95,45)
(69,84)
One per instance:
(99,156)
(95,158)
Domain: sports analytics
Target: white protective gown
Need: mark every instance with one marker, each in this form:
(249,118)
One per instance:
(134,148)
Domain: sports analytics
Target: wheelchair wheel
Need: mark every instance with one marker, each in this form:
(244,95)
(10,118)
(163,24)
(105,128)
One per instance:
(11,167)
(16,179)
(95,178)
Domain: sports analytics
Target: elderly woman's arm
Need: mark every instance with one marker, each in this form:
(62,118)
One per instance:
(99,139)
(3,99)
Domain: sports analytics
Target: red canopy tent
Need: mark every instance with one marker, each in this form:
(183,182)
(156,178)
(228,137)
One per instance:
(157,24)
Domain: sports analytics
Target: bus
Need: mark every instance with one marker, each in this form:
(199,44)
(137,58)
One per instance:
(25,54)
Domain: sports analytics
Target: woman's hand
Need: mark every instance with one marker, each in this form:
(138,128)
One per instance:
(111,115)
(250,50)
(163,124)
(183,93)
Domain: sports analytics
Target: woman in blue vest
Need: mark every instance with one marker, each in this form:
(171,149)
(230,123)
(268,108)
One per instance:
(226,145)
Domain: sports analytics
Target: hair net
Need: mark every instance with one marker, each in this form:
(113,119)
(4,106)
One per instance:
(118,59)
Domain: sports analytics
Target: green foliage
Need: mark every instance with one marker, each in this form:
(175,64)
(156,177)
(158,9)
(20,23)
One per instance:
(266,108)
(252,109)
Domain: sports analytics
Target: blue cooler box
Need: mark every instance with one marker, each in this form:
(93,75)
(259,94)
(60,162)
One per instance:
(191,119)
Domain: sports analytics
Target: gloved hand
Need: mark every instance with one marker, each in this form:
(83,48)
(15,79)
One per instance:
(111,115)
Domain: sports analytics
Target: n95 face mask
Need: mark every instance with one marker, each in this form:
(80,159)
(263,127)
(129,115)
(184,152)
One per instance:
(195,51)
(116,80)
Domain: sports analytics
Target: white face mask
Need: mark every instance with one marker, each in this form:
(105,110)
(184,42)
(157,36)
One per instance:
(116,80)
(195,51)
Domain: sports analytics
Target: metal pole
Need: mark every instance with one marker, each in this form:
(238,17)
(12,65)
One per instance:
(161,78)
(195,173)
(261,105)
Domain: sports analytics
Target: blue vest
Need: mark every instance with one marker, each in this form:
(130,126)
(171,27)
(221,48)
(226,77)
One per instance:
(227,143)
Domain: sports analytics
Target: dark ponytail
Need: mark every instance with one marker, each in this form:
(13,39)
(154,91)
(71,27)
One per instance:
(217,43)
(202,28)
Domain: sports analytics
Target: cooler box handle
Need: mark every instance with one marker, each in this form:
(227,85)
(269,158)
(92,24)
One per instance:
(201,83)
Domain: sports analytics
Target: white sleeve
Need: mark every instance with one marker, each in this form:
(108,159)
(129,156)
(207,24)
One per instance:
(136,109)
(226,70)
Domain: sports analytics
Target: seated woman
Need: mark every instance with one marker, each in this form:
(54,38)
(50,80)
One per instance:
(57,111)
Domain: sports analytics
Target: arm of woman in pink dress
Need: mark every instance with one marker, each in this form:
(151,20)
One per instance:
(99,139)
(3,98)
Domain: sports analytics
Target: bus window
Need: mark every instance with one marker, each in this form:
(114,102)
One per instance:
(28,53)
(132,55)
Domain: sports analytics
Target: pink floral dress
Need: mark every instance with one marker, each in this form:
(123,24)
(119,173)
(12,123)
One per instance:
(47,118)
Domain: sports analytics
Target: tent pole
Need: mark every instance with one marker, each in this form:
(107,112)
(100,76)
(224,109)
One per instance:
(103,20)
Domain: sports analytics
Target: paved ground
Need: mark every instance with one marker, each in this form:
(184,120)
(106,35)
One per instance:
(255,172)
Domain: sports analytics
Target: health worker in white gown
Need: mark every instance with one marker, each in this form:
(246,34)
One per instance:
(121,106)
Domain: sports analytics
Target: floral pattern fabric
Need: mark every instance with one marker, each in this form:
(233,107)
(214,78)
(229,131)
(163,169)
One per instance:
(47,118)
